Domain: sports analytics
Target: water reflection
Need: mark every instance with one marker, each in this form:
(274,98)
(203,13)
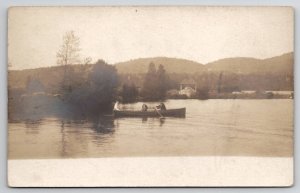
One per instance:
(32,123)
(32,126)
(76,136)
(63,139)
(144,119)
(104,125)
(162,121)
(219,127)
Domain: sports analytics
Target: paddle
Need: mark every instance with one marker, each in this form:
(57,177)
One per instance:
(161,116)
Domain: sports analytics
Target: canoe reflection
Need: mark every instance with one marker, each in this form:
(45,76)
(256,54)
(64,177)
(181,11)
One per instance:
(161,120)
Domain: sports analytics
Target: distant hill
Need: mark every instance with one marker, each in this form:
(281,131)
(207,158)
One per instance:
(278,64)
(283,63)
(172,65)
(49,76)
(242,65)
(52,76)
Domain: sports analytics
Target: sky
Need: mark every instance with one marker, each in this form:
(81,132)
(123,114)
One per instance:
(117,34)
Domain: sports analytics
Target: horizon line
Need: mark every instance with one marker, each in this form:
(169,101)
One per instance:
(291,52)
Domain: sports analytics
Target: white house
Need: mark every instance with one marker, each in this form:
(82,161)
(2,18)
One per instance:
(188,87)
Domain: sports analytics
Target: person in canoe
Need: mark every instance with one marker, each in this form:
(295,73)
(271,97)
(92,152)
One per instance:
(144,107)
(161,107)
(116,107)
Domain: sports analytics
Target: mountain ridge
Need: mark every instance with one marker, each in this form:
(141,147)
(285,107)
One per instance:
(140,65)
(244,65)
(270,68)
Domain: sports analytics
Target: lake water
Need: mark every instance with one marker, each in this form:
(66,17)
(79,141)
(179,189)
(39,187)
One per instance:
(211,127)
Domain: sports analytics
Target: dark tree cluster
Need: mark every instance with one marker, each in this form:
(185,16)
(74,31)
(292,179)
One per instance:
(97,91)
(156,83)
(129,93)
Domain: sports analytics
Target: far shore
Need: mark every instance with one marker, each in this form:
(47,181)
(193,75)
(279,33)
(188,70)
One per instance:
(40,105)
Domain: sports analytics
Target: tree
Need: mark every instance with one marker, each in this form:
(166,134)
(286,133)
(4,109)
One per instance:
(162,81)
(155,83)
(104,80)
(98,92)
(69,50)
(87,60)
(149,91)
(220,82)
(202,93)
(129,93)
(68,54)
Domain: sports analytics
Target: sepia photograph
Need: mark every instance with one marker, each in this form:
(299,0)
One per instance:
(180,95)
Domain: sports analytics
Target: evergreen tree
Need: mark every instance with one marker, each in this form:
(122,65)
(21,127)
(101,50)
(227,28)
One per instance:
(129,93)
(155,83)
(162,80)
(149,91)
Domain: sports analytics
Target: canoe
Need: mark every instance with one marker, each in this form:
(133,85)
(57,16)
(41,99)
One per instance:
(152,113)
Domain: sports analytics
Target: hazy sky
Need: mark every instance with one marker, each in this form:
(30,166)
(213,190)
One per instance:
(202,34)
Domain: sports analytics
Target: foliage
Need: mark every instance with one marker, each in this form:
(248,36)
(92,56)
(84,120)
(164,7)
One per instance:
(149,90)
(162,82)
(129,93)
(202,93)
(155,83)
(98,91)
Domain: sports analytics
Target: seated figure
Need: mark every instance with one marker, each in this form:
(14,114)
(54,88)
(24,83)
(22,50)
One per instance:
(144,107)
(161,107)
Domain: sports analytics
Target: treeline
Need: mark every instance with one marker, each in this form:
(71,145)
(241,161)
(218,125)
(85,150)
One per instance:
(209,84)
(51,78)
(94,87)
(152,86)
(90,90)
(230,82)
(86,88)
(83,89)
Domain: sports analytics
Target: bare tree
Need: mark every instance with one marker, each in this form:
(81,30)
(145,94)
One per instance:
(67,55)
(87,60)
(69,51)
